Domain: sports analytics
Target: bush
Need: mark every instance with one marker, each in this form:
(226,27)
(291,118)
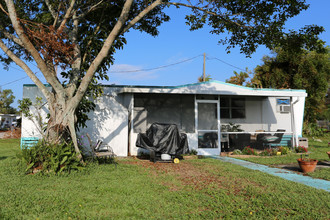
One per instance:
(283,150)
(193,152)
(237,152)
(249,151)
(50,158)
(312,129)
(266,152)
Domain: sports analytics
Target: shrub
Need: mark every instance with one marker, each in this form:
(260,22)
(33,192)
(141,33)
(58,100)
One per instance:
(268,152)
(237,152)
(312,129)
(249,151)
(301,149)
(193,152)
(284,150)
(50,158)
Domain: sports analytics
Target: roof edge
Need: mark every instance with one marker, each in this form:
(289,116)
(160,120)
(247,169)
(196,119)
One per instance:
(190,84)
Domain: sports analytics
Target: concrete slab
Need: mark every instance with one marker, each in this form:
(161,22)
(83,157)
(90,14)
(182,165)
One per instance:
(285,174)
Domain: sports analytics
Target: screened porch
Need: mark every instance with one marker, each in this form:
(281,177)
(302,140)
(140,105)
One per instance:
(218,122)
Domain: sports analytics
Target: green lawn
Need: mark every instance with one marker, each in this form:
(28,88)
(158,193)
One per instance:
(317,150)
(192,189)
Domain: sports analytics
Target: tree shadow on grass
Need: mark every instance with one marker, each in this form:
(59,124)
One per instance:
(3,158)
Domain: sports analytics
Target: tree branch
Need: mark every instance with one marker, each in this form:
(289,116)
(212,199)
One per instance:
(208,12)
(50,9)
(102,54)
(28,71)
(141,15)
(90,41)
(57,14)
(53,81)
(92,8)
(67,15)
(77,60)
(12,37)
(2,9)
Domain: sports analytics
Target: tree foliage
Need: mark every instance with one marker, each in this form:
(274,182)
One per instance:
(6,99)
(82,37)
(239,78)
(299,69)
(207,78)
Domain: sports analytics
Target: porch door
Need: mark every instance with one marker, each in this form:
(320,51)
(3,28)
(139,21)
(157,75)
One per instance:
(208,127)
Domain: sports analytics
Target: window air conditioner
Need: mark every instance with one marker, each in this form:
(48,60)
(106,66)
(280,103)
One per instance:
(285,108)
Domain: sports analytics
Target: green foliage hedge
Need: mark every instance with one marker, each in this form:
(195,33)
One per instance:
(48,158)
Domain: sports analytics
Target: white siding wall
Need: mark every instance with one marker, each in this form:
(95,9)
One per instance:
(299,113)
(30,129)
(274,120)
(109,123)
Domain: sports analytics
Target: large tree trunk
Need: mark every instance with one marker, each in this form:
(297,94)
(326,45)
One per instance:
(61,124)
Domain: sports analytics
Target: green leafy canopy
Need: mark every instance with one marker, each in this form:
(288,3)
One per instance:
(76,45)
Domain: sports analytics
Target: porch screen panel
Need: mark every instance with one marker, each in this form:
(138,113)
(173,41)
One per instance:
(207,116)
(140,119)
(161,108)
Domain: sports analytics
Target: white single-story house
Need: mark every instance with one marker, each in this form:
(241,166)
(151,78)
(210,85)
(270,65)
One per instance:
(8,120)
(197,109)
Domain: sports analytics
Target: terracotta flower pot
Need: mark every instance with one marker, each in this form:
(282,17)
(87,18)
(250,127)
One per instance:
(328,153)
(307,165)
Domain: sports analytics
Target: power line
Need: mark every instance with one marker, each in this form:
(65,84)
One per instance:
(11,82)
(138,70)
(14,81)
(155,68)
(214,58)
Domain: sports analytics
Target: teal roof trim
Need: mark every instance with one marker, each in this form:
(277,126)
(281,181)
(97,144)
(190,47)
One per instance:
(191,84)
(34,85)
(242,87)
(208,82)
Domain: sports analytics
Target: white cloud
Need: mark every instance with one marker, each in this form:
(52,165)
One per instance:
(131,72)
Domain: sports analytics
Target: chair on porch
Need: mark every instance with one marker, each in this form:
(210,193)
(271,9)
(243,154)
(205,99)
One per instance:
(99,150)
(210,140)
(273,139)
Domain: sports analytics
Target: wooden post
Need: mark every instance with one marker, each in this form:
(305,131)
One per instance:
(204,69)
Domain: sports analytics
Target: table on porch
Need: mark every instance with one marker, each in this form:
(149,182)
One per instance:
(239,140)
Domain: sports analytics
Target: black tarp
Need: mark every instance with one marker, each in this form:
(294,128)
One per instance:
(163,138)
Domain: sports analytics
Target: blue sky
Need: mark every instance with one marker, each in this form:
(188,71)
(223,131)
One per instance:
(174,44)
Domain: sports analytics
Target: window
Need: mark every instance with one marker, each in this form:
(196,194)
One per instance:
(232,107)
(283,105)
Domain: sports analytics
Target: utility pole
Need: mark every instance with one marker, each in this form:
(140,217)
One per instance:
(204,69)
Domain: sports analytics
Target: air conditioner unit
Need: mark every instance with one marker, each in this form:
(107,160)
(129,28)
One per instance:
(284,108)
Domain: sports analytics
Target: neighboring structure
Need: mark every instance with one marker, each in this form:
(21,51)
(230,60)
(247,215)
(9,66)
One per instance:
(8,120)
(199,109)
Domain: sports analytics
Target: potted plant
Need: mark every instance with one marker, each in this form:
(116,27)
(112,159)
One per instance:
(307,165)
(328,153)
(236,140)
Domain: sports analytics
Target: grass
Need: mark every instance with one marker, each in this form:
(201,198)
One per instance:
(194,189)
(317,150)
